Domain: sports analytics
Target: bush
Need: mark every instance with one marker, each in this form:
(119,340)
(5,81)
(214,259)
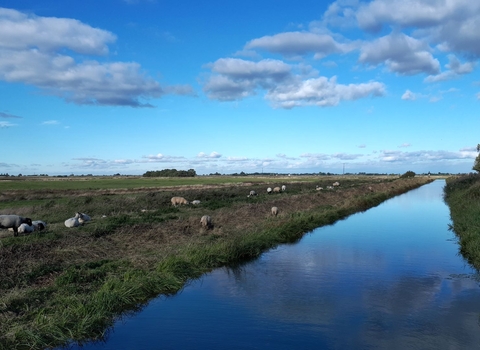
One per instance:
(408,174)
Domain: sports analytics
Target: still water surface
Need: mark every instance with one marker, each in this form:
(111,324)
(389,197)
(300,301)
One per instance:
(388,278)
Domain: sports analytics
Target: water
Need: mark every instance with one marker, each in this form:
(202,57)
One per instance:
(389,278)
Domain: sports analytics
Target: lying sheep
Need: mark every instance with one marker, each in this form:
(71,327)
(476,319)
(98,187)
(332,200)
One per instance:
(178,200)
(206,221)
(14,222)
(39,225)
(284,188)
(73,222)
(269,190)
(196,202)
(274,211)
(276,189)
(25,228)
(83,218)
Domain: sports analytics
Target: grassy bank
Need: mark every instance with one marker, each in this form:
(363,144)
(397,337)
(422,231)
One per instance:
(71,284)
(462,194)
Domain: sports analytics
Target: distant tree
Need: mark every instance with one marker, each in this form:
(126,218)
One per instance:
(408,174)
(476,164)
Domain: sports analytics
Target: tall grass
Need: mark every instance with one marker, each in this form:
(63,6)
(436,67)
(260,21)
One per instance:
(462,194)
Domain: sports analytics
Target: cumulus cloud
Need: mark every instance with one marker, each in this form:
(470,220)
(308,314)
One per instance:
(237,79)
(453,24)
(424,156)
(322,92)
(455,69)
(401,54)
(32,51)
(292,44)
(409,96)
(213,155)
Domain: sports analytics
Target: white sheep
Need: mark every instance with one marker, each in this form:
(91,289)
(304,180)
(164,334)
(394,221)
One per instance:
(196,202)
(252,193)
(25,228)
(274,211)
(73,222)
(318,188)
(336,184)
(269,190)
(276,189)
(178,200)
(13,222)
(284,188)
(206,221)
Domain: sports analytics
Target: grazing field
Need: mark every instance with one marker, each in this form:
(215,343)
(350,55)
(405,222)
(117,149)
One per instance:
(69,284)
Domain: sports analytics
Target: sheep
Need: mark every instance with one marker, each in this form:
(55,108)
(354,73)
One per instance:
(274,211)
(318,188)
(335,184)
(83,218)
(25,228)
(252,193)
(196,202)
(14,222)
(206,221)
(73,222)
(39,225)
(269,190)
(178,200)
(284,188)
(276,189)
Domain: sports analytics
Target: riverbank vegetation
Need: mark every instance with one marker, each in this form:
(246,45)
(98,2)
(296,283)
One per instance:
(462,194)
(62,285)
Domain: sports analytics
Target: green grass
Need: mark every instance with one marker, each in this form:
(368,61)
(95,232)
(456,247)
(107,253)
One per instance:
(462,194)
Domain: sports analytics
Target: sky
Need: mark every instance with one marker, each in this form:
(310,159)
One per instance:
(347,86)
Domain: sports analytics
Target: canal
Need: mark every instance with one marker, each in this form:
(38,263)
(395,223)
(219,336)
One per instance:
(388,278)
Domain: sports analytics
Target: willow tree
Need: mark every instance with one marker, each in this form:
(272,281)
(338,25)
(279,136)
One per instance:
(476,165)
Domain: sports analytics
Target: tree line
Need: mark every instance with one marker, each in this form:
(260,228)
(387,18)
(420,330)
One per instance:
(171,173)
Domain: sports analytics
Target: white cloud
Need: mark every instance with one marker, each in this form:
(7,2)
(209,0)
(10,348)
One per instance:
(401,54)
(292,44)
(32,52)
(322,92)
(403,145)
(213,155)
(455,70)
(409,96)
(6,124)
(51,122)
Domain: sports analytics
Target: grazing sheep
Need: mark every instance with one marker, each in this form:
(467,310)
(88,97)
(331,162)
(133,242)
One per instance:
(284,188)
(318,188)
(276,189)
(39,225)
(329,187)
(83,218)
(178,200)
(25,228)
(206,221)
(196,202)
(370,188)
(14,222)
(269,190)
(274,211)
(252,193)
(336,184)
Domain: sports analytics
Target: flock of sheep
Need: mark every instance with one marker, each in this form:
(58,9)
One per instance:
(19,224)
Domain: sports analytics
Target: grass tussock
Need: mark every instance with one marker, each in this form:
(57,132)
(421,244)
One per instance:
(66,285)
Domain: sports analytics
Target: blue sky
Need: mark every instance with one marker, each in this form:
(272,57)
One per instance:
(128,86)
